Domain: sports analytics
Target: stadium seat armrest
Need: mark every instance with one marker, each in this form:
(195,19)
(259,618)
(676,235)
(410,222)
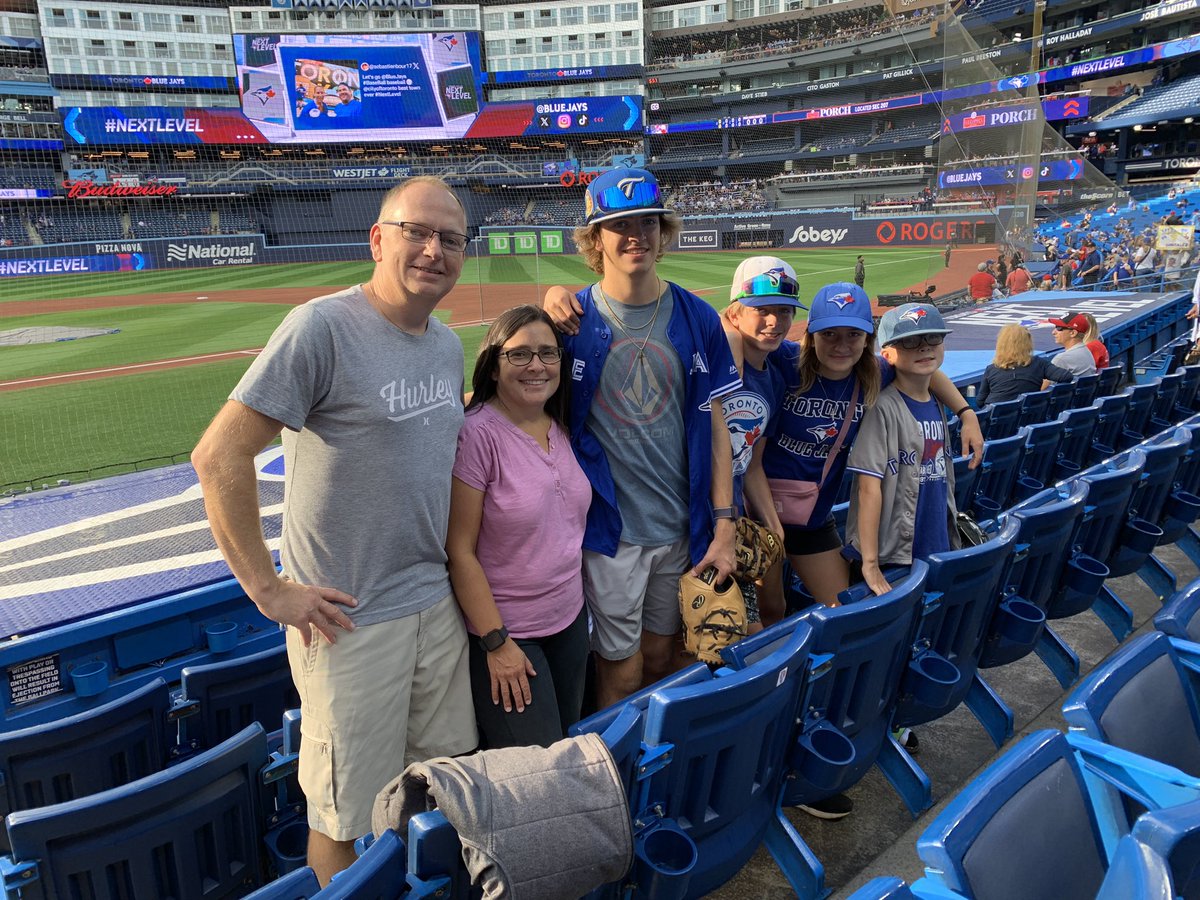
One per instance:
(1151,783)
(15,876)
(1188,652)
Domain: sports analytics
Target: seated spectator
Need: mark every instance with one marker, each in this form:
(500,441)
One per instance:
(1015,370)
(1069,330)
(1094,344)
(982,285)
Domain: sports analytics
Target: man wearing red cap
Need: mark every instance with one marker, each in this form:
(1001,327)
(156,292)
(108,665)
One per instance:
(1076,358)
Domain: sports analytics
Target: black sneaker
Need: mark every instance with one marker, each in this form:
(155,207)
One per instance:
(907,739)
(836,807)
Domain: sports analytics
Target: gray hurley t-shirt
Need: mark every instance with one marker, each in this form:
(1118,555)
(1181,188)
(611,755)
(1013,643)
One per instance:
(372,415)
(637,416)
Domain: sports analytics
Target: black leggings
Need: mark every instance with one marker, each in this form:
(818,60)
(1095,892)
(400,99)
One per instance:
(560,661)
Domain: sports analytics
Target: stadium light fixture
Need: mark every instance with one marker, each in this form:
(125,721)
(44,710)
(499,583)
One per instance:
(1189,120)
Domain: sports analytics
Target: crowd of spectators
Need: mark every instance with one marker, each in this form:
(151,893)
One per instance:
(718,197)
(792,37)
(1117,249)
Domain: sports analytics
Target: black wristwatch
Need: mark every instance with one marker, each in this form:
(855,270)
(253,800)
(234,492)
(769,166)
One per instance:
(494,640)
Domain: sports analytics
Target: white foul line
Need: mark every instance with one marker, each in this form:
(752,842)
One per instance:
(146,365)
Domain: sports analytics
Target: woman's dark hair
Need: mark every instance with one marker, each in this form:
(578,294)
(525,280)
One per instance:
(487,363)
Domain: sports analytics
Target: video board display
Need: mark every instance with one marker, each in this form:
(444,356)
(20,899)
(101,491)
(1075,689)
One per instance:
(322,122)
(313,88)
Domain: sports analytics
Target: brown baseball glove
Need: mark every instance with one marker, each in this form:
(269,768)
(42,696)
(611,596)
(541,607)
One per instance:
(756,549)
(714,615)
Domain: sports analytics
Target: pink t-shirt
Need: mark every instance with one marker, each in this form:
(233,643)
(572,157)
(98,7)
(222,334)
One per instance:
(534,510)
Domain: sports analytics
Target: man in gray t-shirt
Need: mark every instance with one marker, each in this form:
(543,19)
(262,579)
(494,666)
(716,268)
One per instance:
(1076,358)
(367,390)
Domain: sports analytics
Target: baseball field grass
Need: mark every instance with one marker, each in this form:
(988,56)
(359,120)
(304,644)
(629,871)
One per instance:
(93,428)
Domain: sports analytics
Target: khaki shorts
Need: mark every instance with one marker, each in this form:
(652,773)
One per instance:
(634,590)
(383,696)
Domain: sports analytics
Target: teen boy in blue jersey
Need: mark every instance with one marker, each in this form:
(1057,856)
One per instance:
(649,366)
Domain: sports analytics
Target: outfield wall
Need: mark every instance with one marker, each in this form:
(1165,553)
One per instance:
(777,230)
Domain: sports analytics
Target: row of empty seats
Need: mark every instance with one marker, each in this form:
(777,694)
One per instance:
(1110,810)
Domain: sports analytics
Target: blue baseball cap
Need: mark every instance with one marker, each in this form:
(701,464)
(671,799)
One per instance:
(910,320)
(622,192)
(841,305)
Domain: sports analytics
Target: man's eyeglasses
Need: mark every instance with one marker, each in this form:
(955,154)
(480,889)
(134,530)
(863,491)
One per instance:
(423,234)
(919,340)
(522,356)
(770,284)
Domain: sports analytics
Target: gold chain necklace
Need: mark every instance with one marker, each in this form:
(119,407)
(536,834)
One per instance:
(621,324)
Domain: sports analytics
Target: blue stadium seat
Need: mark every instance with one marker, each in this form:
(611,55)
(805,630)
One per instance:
(1160,854)
(1163,411)
(721,783)
(204,815)
(1110,489)
(1036,824)
(1137,427)
(1186,401)
(1062,398)
(1035,407)
(1148,504)
(962,590)
(1109,426)
(997,478)
(1037,466)
(377,874)
(1075,448)
(1005,418)
(964,482)
(300,884)
(1047,522)
(435,864)
(219,699)
(1110,380)
(1178,617)
(868,640)
(111,745)
(1086,390)
(1143,698)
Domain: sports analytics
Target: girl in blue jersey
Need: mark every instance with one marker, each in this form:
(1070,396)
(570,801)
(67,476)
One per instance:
(833,366)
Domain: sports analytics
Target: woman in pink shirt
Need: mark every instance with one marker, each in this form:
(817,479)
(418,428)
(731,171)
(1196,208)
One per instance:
(518,505)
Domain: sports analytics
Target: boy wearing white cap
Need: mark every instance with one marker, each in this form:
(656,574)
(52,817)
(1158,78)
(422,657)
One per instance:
(649,365)
(903,473)
(764,297)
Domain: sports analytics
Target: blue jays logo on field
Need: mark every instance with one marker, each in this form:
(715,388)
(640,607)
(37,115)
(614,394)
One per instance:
(823,433)
(841,301)
(264,94)
(914,315)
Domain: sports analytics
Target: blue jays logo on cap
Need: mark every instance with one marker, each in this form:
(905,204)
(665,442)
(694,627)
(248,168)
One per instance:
(626,185)
(841,301)
(914,315)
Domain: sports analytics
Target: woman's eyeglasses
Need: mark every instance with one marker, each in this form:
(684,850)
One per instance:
(522,356)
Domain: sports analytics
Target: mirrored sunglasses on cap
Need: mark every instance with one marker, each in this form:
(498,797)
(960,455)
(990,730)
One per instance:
(770,285)
(631,197)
